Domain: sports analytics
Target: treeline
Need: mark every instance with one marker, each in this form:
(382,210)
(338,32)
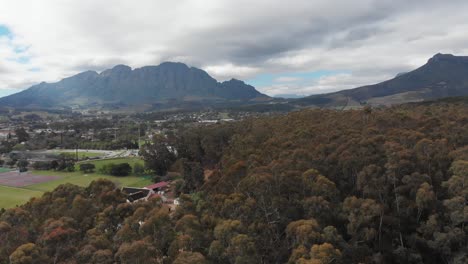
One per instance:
(314,186)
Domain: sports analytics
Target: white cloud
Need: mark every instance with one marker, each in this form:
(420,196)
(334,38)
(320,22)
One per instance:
(229,70)
(370,40)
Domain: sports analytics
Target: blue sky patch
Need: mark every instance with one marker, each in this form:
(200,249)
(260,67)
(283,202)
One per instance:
(34,69)
(268,79)
(4,31)
(5,92)
(23,59)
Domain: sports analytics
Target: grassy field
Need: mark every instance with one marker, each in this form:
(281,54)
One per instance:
(10,197)
(100,163)
(80,179)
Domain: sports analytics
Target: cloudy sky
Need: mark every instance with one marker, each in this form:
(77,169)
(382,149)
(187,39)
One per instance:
(281,47)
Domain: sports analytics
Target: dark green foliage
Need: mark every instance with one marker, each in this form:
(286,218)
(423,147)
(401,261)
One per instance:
(87,167)
(22,165)
(158,156)
(65,163)
(121,169)
(21,134)
(193,176)
(138,169)
(43,165)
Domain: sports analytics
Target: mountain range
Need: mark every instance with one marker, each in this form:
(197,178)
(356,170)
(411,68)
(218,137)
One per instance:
(444,75)
(175,85)
(166,84)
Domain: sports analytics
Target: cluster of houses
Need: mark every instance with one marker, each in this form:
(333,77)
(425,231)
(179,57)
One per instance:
(159,189)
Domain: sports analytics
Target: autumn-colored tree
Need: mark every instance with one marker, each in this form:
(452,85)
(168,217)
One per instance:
(303,232)
(137,252)
(190,258)
(28,253)
(322,254)
(311,186)
(363,218)
(425,198)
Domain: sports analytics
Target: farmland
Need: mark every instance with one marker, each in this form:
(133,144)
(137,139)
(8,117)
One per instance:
(11,196)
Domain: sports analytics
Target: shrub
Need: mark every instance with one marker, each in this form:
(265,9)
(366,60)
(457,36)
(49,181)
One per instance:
(87,167)
(138,169)
(121,169)
(42,165)
(106,168)
(66,165)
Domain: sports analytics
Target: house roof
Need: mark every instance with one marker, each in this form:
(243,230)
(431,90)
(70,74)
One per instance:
(131,190)
(157,185)
(138,195)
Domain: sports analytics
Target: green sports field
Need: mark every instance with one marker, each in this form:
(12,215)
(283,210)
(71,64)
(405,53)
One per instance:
(4,170)
(100,163)
(11,196)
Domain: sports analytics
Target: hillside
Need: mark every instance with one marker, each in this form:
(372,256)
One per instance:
(444,75)
(168,84)
(313,186)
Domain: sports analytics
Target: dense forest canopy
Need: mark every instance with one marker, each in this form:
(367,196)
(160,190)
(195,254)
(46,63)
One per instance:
(314,186)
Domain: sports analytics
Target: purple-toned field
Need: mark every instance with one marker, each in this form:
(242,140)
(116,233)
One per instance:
(16,179)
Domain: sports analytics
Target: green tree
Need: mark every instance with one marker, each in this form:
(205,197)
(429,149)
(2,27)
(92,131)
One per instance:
(121,169)
(22,165)
(21,134)
(193,175)
(138,169)
(158,156)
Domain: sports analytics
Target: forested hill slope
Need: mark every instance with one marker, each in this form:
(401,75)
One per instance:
(314,186)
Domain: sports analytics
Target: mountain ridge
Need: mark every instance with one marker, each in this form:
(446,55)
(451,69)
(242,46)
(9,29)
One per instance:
(169,81)
(176,85)
(444,75)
